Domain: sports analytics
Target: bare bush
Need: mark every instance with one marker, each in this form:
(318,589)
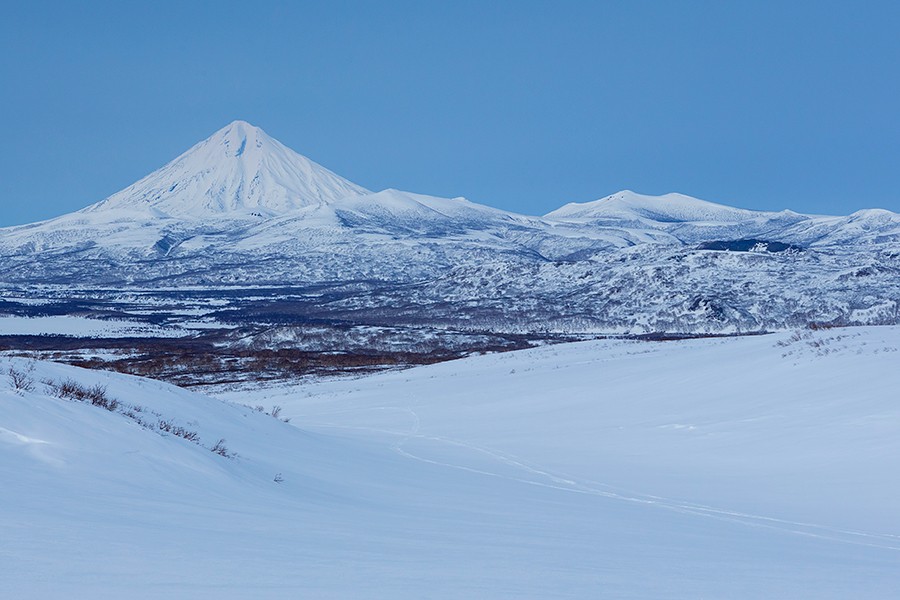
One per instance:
(97,396)
(220,449)
(191,436)
(816,326)
(21,379)
(796,336)
(178,430)
(135,413)
(276,412)
(69,389)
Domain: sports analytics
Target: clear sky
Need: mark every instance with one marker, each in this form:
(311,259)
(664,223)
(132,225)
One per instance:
(519,105)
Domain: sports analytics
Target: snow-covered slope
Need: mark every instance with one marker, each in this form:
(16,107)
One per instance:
(799,426)
(735,468)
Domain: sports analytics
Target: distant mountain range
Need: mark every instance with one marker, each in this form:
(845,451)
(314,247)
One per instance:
(241,210)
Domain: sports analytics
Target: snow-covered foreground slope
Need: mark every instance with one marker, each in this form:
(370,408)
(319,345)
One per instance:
(728,468)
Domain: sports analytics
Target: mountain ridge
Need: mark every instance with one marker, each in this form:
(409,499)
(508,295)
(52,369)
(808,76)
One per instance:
(296,182)
(671,207)
(624,263)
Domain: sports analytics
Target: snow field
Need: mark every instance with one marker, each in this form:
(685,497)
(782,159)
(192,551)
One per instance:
(724,468)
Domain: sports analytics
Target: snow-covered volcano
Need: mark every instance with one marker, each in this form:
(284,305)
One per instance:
(240,208)
(238,169)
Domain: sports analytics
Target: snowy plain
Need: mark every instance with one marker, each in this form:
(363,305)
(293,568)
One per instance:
(75,326)
(755,467)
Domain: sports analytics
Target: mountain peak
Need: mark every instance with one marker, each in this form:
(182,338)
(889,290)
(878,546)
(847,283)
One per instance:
(234,137)
(238,170)
(240,123)
(668,208)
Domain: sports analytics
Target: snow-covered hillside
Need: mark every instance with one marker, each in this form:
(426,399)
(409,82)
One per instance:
(760,467)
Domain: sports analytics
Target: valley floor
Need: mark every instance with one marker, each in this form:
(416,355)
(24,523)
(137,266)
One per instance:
(761,467)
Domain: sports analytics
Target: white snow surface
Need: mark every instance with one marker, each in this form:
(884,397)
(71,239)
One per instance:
(74,326)
(759,467)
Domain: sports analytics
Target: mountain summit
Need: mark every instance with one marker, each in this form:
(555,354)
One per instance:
(668,208)
(237,170)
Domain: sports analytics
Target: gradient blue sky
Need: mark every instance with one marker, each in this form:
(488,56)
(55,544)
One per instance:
(520,105)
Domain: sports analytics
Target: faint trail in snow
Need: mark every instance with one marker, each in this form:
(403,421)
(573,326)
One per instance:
(567,484)
(876,540)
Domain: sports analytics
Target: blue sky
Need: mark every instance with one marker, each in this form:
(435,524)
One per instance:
(520,105)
